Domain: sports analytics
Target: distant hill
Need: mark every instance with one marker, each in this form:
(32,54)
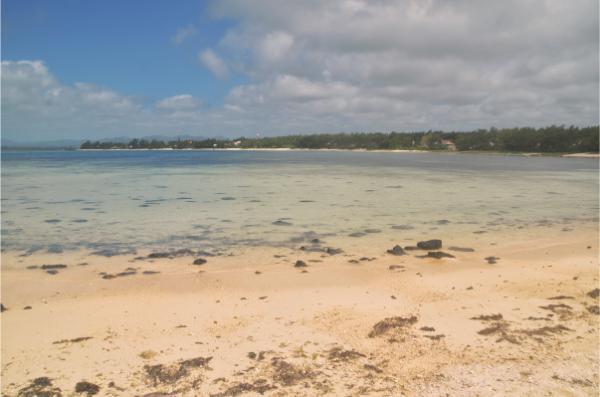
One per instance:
(56,144)
(8,144)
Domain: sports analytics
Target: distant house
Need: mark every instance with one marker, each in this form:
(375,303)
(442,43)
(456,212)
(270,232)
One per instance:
(449,144)
(237,143)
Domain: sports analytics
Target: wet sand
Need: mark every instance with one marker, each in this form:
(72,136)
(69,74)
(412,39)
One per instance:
(251,322)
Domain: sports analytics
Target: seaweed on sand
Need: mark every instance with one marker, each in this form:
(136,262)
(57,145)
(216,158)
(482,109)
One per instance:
(259,386)
(40,387)
(390,323)
(339,354)
(288,374)
(170,374)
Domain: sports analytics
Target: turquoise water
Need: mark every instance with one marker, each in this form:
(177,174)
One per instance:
(218,200)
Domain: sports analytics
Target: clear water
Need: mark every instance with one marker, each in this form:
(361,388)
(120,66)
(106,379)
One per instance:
(66,200)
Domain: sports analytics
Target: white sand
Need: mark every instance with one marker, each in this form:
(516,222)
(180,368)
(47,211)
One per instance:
(215,310)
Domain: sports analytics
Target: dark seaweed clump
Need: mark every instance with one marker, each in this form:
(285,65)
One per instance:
(391,323)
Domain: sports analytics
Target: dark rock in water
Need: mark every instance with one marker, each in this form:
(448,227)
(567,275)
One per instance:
(50,267)
(491,259)
(281,223)
(155,255)
(439,255)
(430,244)
(372,231)
(86,387)
(2,308)
(40,387)
(183,252)
(357,234)
(52,221)
(402,227)
(227,198)
(315,241)
(199,261)
(333,251)
(55,249)
(109,252)
(595,293)
(315,248)
(443,222)
(397,250)
(300,263)
(461,249)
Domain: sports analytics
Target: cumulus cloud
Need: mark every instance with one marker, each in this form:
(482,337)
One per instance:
(183,34)
(36,106)
(274,46)
(419,64)
(350,65)
(35,103)
(213,63)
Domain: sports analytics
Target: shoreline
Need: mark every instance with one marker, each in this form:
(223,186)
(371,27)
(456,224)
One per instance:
(524,154)
(255,322)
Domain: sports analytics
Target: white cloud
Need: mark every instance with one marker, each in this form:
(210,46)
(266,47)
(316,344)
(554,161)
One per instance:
(274,46)
(183,34)
(213,63)
(351,65)
(179,103)
(398,64)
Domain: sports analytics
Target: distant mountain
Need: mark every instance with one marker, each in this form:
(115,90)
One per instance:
(76,143)
(56,144)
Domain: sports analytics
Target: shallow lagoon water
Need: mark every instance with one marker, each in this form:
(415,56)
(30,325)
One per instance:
(218,200)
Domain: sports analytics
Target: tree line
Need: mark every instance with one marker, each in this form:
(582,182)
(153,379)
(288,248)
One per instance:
(553,139)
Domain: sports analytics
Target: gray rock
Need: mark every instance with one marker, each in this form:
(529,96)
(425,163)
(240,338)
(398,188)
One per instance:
(461,249)
(439,255)
(52,267)
(396,250)
(430,244)
(300,263)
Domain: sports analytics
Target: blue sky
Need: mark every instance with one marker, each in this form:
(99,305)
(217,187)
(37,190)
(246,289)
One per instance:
(93,69)
(125,45)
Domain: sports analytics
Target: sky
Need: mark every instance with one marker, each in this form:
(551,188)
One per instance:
(74,69)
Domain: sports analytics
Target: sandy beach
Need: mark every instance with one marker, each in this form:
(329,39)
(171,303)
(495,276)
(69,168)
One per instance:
(348,323)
